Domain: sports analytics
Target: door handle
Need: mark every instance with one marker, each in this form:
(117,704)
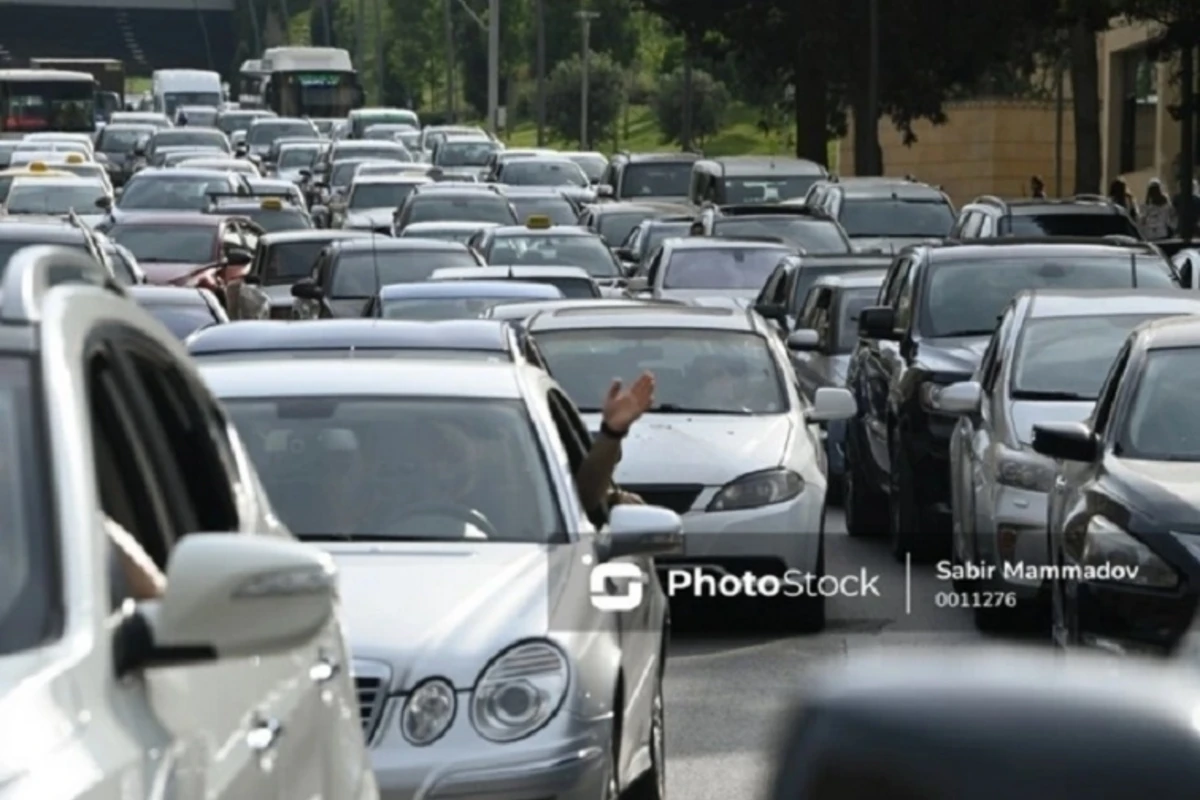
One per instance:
(324,670)
(264,735)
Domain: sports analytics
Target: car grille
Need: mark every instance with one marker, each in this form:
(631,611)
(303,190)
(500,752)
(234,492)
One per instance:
(677,497)
(370,683)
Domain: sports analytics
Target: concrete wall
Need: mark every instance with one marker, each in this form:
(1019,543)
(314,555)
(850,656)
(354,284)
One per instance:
(985,147)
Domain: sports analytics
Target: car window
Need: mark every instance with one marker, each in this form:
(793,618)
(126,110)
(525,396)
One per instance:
(721,268)
(895,217)
(1089,225)
(1066,358)
(440,308)
(767,189)
(655,179)
(466,154)
(379,195)
(479,207)
(167,243)
(1161,424)
(288,262)
(536,172)
(586,252)
(558,209)
(169,193)
(850,307)
(813,236)
(42,198)
(360,274)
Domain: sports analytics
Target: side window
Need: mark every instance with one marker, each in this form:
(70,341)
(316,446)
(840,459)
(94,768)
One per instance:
(788,288)
(574,440)
(1108,395)
(323,270)
(654,268)
(890,292)
(772,288)
(987,226)
(905,300)
(821,317)
(808,312)
(970,225)
(532,354)
(993,360)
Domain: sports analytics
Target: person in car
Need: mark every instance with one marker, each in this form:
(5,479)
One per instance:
(133,571)
(622,407)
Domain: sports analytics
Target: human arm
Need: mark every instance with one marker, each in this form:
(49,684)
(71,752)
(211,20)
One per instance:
(144,580)
(621,409)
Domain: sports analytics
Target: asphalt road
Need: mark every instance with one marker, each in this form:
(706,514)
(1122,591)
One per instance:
(726,693)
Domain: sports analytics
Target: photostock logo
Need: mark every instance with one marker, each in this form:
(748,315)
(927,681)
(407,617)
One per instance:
(604,589)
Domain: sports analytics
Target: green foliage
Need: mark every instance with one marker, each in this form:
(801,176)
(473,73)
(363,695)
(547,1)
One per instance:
(606,97)
(710,103)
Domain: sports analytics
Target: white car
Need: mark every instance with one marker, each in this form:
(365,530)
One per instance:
(229,682)
(445,492)
(730,444)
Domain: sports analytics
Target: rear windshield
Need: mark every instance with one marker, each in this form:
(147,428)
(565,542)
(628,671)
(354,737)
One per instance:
(288,262)
(722,268)
(481,207)
(361,274)
(901,218)
(767,189)
(813,236)
(1069,225)
(266,132)
(654,179)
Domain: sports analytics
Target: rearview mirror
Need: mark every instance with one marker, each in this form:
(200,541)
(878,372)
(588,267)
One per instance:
(635,530)
(803,340)
(307,289)
(831,404)
(877,322)
(957,398)
(240,596)
(637,284)
(1067,441)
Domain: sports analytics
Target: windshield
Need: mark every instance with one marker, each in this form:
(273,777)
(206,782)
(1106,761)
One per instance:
(361,274)
(465,154)
(190,138)
(888,217)
(966,298)
(558,209)
(40,198)
(9,248)
(182,320)
(532,172)
(169,193)
(341,174)
(266,132)
(363,121)
(298,157)
(695,370)
(379,195)
(615,228)
(1088,225)
(592,165)
(721,268)
(430,309)
(442,234)
(288,262)
(120,140)
(175,244)
(439,468)
(813,236)
(571,288)
(173,100)
(852,304)
(480,207)
(30,608)
(587,252)
(1162,423)
(1067,358)
(767,190)
(656,179)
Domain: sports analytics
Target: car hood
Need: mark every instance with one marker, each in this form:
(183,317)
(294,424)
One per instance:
(709,450)
(1168,491)
(1027,412)
(448,608)
(370,218)
(956,356)
(713,297)
(161,272)
(887,244)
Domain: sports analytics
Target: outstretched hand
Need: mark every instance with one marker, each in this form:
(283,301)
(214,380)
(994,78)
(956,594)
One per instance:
(622,407)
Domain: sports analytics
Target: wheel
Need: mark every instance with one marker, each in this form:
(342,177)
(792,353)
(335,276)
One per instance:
(864,507)
(652,784)
(909,529)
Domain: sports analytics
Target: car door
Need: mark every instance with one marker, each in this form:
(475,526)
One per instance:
(877,361)
(984,432)
(809,365)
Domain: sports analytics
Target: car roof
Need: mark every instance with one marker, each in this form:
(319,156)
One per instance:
(66,180)
(1032,249)
(349,334)
(168,295)
(470,289)
(1108,302)
(533,191)
(387,244)
(442,192)
(853,280)
(1066,205)
(899,190)
(642,158)
(1163,334)
(645,316)
(367,144)
(182,172)
(864,260)
(509,273)
(360,378)
(312,235)
(51,231)
(394,178)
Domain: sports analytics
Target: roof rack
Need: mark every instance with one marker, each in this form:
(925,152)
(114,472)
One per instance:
(33,271)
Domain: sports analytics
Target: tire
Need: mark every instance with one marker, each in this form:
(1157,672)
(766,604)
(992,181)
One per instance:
(804,614)
(909,527)
(864,507)
(652,784)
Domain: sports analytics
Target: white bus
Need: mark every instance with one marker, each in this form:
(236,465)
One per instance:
(46,100)
(172,88)
(310,82)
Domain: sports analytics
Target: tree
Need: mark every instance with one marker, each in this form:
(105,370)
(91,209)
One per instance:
(710,101)
(606,96)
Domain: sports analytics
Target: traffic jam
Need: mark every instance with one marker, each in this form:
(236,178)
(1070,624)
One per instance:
(343,456)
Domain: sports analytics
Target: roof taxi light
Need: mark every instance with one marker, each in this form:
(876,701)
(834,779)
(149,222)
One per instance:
(38,166)
(74,158)
(271,204)
(538,222)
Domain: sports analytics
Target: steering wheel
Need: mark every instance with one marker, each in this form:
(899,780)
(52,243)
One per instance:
(454,511)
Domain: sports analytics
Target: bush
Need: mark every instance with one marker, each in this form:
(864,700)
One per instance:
(710,102)
(606,97)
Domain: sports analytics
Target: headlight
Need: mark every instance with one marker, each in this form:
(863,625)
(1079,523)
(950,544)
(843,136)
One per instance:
(1022,470)
(520,691)
(758,489)
(1107,545)
(428,712)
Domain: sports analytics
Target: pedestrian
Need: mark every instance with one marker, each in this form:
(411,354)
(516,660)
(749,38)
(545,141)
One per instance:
(1037,187)
(1159,220)
(1118,192)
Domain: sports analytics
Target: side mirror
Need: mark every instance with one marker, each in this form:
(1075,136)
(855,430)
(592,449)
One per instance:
(238,596)
(1067,441)
(878,322)
(104,203)
(772,311)
(831,404)
(238,257)
(804,340)
(605,191)
(959,399)
(307,289)
(623,253)
(635,530)
(638,284)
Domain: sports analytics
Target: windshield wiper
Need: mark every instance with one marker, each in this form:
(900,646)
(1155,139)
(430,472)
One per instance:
(1031,394)
(672,408)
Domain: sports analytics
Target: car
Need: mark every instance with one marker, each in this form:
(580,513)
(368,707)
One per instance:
(367,168)
(614,221)
(182,310)
(445,340)
(56,197)
(197,116)
(540,242)
(820,344)
(1122,510)
(885,214)
(702,266)
(179,249)
(1083,215)
(645,238)
(115,144)
(489,572)
(573,282)
(502,156)
(593,163)
(332,187)
(272,212)
(936,314)
(432,134)
(349,272)
(280,259)
(641,177)
(538,201)
(386,132)
(20,232)
(176,156)
(36,169)
(438,300)
(361,150)
(374,200)
(270,160)
(263,132)
(730,444)
(88,479)
(174,189)
(362,118)
(296,158)
(1046,362)
(161,140)
(554,171)
(784,295)
(440,204)
(239,119)
(810,230)
(463,151)
(460,232)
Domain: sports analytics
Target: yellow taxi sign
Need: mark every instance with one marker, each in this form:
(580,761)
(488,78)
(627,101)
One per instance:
(38,166)
(538,222)
(271,204)
(74,158)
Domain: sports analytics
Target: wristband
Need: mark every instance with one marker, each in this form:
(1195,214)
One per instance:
(608,431)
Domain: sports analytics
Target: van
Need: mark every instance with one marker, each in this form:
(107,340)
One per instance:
(172,88)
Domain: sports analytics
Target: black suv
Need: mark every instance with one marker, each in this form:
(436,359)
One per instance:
(934,318)
(885,214)
(648,176)
(989,217)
